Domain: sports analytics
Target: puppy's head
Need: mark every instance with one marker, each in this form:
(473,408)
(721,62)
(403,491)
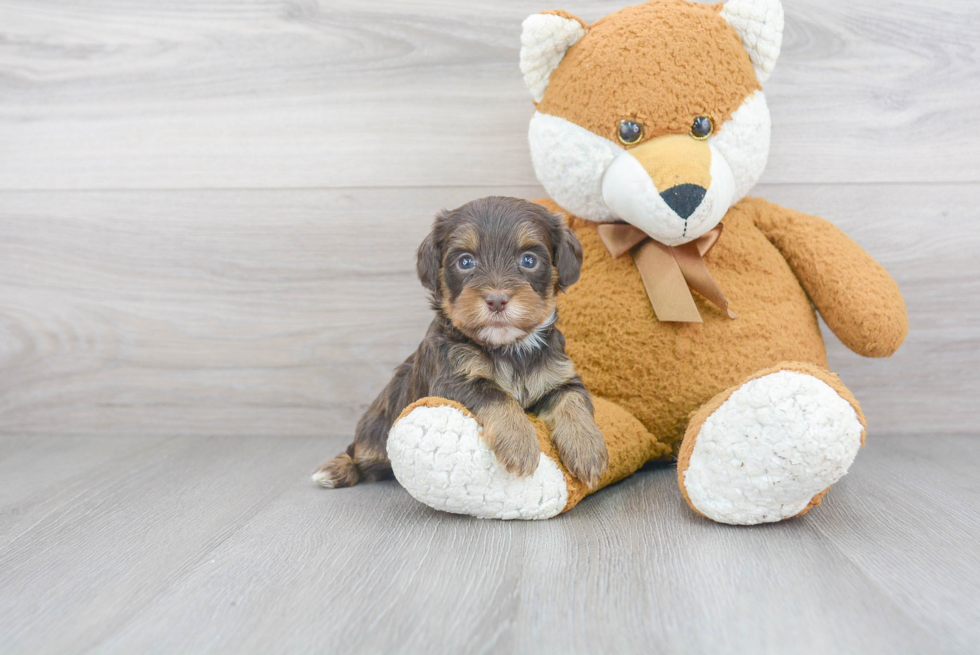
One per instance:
(495,264)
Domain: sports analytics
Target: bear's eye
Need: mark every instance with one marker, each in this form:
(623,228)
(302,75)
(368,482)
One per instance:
(702,128)
(466,262)
(629,132)
(529,260)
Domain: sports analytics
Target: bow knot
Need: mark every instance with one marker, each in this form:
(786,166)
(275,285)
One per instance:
(669,272)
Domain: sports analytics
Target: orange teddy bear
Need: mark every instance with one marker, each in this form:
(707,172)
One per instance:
(694,324)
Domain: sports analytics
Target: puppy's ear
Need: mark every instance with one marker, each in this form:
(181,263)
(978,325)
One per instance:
(568,258)
(430,258)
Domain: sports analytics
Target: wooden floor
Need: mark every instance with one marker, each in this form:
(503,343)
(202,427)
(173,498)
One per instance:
(222,544)
(208,214)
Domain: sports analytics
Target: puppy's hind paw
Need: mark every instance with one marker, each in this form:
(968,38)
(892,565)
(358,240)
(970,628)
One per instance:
(338,472)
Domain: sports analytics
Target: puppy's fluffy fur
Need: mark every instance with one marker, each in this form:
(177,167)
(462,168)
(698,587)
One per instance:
(493,267)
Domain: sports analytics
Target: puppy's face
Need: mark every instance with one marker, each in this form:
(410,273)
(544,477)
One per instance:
(495,264)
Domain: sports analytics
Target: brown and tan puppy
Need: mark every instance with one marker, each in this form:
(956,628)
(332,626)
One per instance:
(494,267)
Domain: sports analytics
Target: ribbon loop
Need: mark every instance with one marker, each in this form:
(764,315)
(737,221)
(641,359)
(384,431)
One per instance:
(669,272)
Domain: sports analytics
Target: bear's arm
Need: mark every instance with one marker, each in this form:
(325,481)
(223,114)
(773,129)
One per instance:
(856,296)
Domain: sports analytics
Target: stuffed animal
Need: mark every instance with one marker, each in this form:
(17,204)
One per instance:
(694,324)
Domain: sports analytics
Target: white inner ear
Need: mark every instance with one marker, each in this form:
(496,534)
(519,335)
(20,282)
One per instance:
(759,23)
(544,40)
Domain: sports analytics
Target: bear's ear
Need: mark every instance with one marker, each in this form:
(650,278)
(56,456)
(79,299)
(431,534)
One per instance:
(544,40)
(759,23)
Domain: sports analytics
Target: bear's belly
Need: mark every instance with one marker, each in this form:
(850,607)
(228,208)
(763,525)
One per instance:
(662,372)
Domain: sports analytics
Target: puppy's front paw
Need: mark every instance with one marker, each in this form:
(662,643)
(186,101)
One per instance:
(514,442)
(582,449)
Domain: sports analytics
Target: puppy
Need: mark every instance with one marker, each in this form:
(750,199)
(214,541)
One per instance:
(493,267)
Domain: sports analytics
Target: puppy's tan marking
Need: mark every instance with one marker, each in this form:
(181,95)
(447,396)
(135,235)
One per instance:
(555,280)
(468,312)
(528,237)
(527,309)
(466,238)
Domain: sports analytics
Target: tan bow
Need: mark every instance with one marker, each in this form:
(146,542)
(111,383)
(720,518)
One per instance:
(669,272)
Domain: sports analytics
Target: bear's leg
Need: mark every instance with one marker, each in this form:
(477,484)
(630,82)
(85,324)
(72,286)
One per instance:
(769,448)
(438,455)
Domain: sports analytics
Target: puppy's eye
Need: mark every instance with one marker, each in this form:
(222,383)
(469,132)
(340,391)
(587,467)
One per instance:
(702,128)
(629,132)
(529,261)
(466,262)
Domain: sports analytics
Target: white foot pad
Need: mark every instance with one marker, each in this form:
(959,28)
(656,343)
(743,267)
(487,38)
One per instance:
(437,454)
(774,444)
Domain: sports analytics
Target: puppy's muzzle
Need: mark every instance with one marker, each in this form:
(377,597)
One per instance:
(496,302)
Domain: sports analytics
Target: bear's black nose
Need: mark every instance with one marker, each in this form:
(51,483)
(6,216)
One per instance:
(684,198)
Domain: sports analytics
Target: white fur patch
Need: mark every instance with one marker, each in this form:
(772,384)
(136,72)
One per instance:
(534,338)
(569,161)
(759,24)
(438,455)
(500,335)
(544,40)
(511,337)
(323,479)
(744,143)
(770,448)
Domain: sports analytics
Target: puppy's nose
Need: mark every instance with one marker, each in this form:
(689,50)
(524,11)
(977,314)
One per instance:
(496,302)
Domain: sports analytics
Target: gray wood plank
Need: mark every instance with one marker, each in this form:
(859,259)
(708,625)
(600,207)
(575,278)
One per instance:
(284,312)
(80,559)
(239,552)
(886,528)
(270,93)
(70,462)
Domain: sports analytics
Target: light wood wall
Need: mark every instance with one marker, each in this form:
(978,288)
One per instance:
(209,208)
